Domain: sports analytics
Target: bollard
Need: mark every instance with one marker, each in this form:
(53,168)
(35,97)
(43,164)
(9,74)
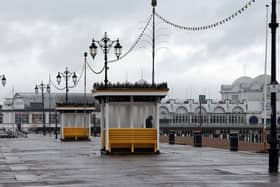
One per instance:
(233,138)
(171,136)
(197,139)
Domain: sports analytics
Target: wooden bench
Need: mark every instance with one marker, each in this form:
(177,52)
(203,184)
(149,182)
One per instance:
(76,133)
(132,138)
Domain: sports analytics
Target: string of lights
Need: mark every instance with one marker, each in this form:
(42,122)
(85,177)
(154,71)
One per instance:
(56,87)
(210,26)
(81,75)
(135,43)
(95,72)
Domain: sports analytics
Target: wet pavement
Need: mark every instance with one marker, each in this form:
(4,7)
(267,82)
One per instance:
(44,161)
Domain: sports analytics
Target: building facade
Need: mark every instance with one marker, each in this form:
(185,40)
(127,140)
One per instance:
(27,109)
(241,104)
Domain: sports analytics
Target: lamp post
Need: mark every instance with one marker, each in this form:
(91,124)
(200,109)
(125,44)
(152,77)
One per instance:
(197,141)
(273,151)
(42,88)
(265,85)
(154,4)
(105,44)
(66,75)
(3,79)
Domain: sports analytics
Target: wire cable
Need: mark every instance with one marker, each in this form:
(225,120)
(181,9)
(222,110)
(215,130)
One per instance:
(81,75)
(56,86)
(136,42)
(95,72)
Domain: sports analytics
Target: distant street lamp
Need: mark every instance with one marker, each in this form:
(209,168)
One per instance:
(3,79)
(265,85)
(42,88)
(105,44)
(66,74)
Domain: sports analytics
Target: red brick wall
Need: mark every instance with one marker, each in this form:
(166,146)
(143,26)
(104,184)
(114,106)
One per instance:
(216,143)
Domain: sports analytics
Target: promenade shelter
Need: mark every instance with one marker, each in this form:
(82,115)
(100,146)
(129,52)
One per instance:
(130,116)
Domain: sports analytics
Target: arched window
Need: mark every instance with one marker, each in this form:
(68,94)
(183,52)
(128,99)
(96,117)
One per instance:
(181,110)
(219,110)
(163,112)
(237,109)
(203,110)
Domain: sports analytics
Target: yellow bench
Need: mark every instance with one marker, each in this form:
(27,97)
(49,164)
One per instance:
(76,133)
(132,138)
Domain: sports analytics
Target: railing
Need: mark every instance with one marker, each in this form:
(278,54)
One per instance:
(211,125)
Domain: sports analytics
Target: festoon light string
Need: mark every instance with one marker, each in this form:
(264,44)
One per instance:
(210,26)
(188,28)
(80,77)
(128,51)
(135,43)
(93,71)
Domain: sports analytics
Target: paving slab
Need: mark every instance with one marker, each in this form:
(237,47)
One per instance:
(43,161)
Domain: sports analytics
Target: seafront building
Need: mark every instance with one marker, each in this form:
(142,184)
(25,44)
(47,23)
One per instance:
(241,106)
(27,109)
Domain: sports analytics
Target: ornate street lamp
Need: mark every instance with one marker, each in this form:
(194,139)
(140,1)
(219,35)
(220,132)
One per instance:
(66,75)
(42,88)
(105,44)
(273,151)
(154,3)
(3,79)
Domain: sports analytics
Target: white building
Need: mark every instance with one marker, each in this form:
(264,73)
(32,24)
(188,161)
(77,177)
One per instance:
(27,109)
(242,103)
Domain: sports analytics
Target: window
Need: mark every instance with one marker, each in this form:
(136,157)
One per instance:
(37,118)
(21,118)
(52,119)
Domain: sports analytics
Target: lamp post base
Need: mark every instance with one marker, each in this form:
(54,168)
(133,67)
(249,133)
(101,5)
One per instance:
(197,138)
(273,160)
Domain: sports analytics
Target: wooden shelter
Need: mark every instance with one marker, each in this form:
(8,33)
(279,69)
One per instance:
(130,116)
(75,118)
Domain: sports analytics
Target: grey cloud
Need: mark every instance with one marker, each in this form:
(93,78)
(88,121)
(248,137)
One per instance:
(60,31)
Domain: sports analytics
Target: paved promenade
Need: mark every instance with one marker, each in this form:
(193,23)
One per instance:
(43,161)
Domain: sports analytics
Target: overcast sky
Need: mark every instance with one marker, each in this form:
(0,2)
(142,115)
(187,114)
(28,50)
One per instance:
(38,37)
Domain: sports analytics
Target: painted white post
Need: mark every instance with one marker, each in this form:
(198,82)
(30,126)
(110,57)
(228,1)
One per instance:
(30,118)
(119,116)
(89,123)
(265,68)
(102,124)
(47,117)
(107,124)
(144,116)
(76,118)
(157,123)
(62,125)
(131,112)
